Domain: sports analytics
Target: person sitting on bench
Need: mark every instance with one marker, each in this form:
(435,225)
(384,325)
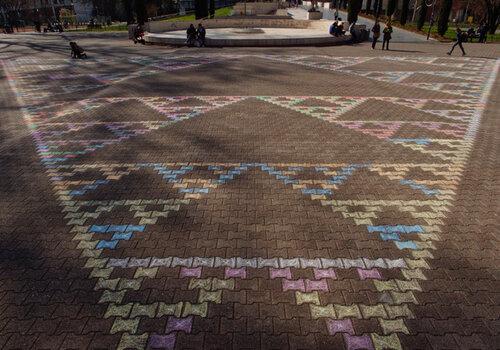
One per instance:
(191,35)
(340,27)
(77,51)
(333,28)
(139,35)
(201,33)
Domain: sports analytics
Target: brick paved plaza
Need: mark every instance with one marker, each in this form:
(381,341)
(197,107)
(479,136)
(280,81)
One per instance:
(303,198)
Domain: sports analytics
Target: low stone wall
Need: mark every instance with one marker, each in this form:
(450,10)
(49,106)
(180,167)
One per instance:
(164,26)
(314,16)
(313,41)
(155,29)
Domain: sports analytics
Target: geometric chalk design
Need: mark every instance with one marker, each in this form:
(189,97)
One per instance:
(343,190)
(51,135)
(326,108)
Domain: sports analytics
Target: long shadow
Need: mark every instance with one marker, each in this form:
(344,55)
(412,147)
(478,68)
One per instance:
(43,282)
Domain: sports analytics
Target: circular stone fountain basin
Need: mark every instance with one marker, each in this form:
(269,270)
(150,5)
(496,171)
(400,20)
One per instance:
(251,37)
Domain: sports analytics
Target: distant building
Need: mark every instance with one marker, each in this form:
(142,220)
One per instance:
(83,10)
(45,10)
(461,10)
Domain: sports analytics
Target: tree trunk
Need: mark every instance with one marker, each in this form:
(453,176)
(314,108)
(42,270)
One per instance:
(391,7)
(368,6)
(129,14)
(379,8)
(140,11)
(404,12)
(212,8)
(353,10)
(422,15)
(493,13)
(200,9)
(444,15)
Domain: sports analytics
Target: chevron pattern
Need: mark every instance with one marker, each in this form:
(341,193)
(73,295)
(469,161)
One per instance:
(110,207)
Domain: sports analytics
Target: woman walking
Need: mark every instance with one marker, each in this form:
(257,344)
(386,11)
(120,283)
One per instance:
(376,33)
(461,37)
(387,36)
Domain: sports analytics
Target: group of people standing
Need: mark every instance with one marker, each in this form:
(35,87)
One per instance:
(387,35)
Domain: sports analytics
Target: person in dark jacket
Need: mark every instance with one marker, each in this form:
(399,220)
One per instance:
(387,36)
(461,37)
(191,35)
(471,33)
(333,28)
(201,34)
(483,31)
(139,35)
(340,27)
(376,33)
(352,31)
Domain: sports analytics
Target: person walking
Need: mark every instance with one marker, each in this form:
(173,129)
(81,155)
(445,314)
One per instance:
(376,33)
(461,36)
(387,36)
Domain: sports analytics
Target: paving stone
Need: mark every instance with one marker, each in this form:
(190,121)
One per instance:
(386,342)
(307,298)
(129,341)
(122,325)
(322,311)
(373,311)
(339,326)
(347,311)
(393,326)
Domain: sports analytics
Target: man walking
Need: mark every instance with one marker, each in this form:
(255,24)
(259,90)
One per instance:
(460,40)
